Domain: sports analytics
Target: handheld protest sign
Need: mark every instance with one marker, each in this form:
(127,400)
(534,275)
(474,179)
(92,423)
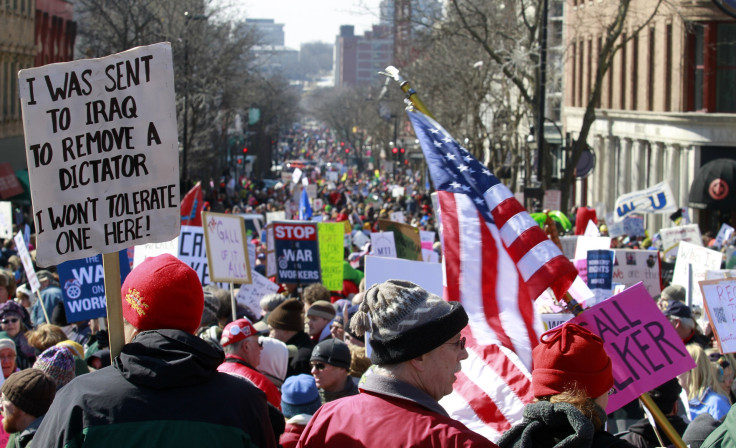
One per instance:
(25,258)
(406,237)
(719,297)
(227,250)
(383,244)
(102,151)
(643,346)
(692,265)
(6,220)
(297,252)
(83,286)
(331,238)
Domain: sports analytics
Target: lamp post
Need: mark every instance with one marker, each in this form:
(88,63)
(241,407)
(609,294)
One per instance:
(184,178)
(542,91)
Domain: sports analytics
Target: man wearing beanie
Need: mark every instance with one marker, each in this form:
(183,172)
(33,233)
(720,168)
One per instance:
(299,401)
(163,389)
(319,318)
(26,396)
(571,380)
(330,369)
(416,348)
(287,325)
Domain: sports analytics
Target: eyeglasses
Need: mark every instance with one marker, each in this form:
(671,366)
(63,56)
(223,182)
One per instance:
(319,366)
(14,320)
(459,343)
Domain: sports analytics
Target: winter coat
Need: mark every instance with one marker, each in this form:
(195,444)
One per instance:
(237,366)
(387,413)
(294,429)
(725,435)
(557,425)
(163,390)
(642,435)
(302,352)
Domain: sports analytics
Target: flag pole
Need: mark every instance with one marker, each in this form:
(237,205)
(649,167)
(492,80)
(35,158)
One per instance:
(572,304)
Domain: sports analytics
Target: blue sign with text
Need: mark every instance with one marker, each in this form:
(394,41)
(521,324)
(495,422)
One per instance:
(600,269)
(83,286)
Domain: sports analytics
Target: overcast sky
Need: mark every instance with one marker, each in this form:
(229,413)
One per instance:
(313,20)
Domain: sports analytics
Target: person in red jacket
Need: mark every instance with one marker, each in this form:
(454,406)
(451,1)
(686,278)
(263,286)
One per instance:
(416,348)
(242,356)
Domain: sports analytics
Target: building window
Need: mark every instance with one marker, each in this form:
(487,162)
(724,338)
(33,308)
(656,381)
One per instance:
(726,68)
(634,71)
(712,67)
(650,70)
(668,69)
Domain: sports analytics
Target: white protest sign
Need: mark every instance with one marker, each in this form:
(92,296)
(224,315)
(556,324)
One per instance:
(552,199)
(311,191)
(305,181)
(271,264)
(426,275)
(634,266)
(296,175)
(250,295)
(672,236)
(227,250)
(724,234)
(360,239)
(720,304)
(555,320)
(586,243)
(193,251)
(155,249)
(285,177)
(702,260)
(332,176)
(25,258)
(430,255)
(102,152)
(397,217)
(657,199)
(720,273)
(397,192)
(275,216)
(569,244)
(592,230)
(6,220)
(383,244)
(318,204)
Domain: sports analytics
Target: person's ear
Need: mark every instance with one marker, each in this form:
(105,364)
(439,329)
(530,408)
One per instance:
(419,363)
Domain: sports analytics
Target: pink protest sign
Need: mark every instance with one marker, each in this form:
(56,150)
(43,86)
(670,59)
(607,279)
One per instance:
(644,348)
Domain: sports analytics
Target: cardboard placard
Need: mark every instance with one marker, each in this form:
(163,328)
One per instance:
(331,253)
(600,268)
(406,237)
(426,275)
(397,217)
(672,236)
(631,226)
(192,250)
(586,243)
(6,220)
(227,249)
(155,249)
(634,266)
(383,244)
(643,346)
(25,258)
(724,234)
(297,252)
(250,295)
(555,320)
(83,286)
(719,298)
(702,260)
(656,199)
(102,150)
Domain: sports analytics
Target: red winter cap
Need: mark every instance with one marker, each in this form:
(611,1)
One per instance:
(236,331)
(569,356)
(163,293)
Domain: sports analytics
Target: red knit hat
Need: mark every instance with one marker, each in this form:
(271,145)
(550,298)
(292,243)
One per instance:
(236,331)
(569,356)
(163,293)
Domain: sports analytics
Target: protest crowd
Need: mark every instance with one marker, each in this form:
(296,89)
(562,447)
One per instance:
(344,305)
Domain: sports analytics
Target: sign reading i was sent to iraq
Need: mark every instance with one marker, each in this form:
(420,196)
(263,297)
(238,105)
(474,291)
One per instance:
(297,252)
(83,286)
(102,152)
(644,348)
(227,249)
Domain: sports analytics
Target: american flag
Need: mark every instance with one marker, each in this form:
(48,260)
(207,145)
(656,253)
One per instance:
(497,260)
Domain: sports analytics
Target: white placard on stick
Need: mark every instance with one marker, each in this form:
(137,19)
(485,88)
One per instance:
(102,152)
(672,236)
(702,260)
(250,295)
(383,244)
(719,297)
(426,275)
(227,250)
(6,220)
(25,258)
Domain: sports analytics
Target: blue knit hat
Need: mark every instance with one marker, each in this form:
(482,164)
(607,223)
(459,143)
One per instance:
(299,395)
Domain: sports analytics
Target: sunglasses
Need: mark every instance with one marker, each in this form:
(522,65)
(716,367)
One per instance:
(319,366)
(459,343)
(13,320)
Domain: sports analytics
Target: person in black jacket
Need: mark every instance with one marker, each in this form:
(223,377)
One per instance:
(163,389)
(641,434)
(287,325)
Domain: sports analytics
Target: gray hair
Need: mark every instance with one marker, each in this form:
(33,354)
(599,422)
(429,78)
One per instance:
(234,348)
(269,302)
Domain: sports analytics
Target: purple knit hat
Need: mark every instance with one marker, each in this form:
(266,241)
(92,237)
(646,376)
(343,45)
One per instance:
(58,363)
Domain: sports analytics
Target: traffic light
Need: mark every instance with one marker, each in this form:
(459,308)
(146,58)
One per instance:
(395,151)
(401,154)
(245,150)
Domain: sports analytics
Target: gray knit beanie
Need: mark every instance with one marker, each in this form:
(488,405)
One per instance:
(407,321)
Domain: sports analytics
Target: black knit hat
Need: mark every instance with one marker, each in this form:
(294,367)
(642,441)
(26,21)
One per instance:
(333,352)
(406,321)
(31,390)
(287,316)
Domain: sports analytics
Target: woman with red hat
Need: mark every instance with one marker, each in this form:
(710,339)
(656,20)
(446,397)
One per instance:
(571,381)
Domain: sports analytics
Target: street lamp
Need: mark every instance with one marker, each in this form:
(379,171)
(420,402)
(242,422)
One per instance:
(185,140)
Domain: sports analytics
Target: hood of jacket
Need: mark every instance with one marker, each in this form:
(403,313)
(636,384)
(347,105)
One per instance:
(168,359)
